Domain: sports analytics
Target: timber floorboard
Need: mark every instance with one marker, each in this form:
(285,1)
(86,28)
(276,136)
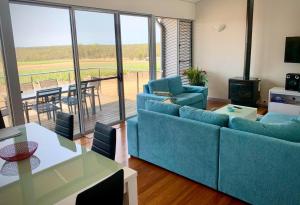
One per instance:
(158,186)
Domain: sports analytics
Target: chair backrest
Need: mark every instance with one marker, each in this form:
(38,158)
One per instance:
(51,83)
(27,87)
(64,125)
(96,84)
(104,141)
(2,124)
(52,95)
(109,191)
(73,92)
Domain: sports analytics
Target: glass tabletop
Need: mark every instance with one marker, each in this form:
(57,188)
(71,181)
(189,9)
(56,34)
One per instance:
(57,169)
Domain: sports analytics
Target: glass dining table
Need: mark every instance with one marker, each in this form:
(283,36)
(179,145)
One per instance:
(57,171)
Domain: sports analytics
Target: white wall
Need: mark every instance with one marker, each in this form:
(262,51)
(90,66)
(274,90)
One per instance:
(222,54)
(164,8)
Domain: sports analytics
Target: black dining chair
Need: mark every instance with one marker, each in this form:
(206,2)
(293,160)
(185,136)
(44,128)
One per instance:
(109,191)
(2,124)
(64,125)
(104,141)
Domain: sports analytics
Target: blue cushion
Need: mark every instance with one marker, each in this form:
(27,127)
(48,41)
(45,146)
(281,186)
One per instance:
(273,117)
(289,131)
(165,108)
(175,85)
(158,85)
(204,116)
(188,98)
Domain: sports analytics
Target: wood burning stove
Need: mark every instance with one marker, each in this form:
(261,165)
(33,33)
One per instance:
(245,90)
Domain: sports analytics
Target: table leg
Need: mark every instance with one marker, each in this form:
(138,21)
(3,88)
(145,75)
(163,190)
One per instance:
(93,101)
(132,191)
(26,112)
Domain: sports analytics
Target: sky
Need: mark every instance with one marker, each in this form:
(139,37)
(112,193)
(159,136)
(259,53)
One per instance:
(35,26)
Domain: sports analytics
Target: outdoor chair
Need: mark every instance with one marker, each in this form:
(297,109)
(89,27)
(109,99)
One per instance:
(47,101)
(50,83)
(72,98)
(2,124)
(96,85)
(27,105)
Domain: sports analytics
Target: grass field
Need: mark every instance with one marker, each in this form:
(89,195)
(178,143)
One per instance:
(63,70)
(48,62)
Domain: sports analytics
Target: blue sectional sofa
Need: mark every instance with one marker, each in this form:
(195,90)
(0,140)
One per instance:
(194,96)
(219,152)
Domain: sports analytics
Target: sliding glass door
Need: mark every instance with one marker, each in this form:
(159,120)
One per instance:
(97,61)
(43,44)
(4,99)
(135,49)
(96,41)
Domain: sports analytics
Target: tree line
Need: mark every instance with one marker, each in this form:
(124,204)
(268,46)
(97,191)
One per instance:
(130,51)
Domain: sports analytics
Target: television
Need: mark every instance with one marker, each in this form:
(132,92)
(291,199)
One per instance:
(292,50)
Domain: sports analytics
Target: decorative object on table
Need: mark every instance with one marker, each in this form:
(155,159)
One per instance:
(12,168)
(231,109)
(18,151)
(196,76)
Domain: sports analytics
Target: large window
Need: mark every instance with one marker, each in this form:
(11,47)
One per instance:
(43,44)
(135,49)
(78,48)
(98,65)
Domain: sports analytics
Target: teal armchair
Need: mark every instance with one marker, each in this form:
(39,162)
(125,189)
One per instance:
(193,96)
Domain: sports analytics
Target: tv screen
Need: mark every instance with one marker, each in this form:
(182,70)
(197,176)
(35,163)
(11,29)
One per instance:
(292,50)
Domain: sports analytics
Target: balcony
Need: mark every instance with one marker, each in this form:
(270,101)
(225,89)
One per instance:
(108,93)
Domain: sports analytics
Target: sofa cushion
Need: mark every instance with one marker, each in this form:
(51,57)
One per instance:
(204,116)
(273,117)
(161,85)
(160,93)
(188,98)
(165,108)
(289,131)
(175,85)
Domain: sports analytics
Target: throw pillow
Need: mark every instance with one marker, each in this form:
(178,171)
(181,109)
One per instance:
(175,85)
(158,85)
(160,93)
(204,116)
(289,131)
(165,108)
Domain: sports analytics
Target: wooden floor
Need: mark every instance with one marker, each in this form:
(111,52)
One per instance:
(158,186)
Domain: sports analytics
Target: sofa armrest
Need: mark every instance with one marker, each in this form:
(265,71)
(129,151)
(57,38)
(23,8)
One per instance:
(197,89)
(146,88)
(143,97)
(132,136)
(259,169)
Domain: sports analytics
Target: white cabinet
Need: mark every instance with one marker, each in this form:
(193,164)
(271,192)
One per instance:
(284,101)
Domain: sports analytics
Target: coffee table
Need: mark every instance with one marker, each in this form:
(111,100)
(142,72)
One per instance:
(249,113)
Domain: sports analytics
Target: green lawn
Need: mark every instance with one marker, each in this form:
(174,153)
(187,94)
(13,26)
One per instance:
(63,70)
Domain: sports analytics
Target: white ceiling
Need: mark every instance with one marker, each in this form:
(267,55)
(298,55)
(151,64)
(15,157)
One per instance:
(192,1)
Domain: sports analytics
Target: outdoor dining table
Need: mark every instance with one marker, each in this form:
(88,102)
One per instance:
(57,172)
(64,89)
